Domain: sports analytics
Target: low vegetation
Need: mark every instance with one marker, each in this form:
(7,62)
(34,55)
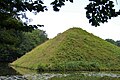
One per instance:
(72,50)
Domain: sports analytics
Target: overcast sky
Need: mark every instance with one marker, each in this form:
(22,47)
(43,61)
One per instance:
(73,15)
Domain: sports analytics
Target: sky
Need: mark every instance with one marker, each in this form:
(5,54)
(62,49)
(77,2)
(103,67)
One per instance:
(74,15)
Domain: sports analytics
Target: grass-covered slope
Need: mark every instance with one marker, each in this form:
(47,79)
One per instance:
(74,49)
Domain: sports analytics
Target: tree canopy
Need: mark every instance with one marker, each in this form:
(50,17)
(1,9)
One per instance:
(12,27)
(97,11)
(117,43)
(14,9)
(14,43)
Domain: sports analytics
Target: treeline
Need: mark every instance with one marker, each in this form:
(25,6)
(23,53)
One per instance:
(117,43)
(14,43)
(18,37)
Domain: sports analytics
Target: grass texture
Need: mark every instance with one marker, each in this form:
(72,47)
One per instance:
(73,50)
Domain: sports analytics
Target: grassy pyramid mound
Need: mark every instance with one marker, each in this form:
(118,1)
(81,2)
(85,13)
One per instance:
(74,49)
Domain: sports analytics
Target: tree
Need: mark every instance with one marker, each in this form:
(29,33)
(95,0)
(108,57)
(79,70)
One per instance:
(12,27)
(99,11)
(117,43)
(9,39)
(17,43)
(111,41)
(30,40)
(15,8)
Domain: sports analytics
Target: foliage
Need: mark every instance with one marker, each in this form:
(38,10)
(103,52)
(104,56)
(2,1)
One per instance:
(16,43)
(10,14)
(12,28)
(117,43)
(111,41)
(99,11)
(74,49)
(31,40)
(57,4)
(9,40)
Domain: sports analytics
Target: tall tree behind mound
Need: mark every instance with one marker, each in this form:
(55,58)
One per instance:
(74,49)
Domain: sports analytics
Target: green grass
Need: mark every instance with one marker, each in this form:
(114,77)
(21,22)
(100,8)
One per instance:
(74,49)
